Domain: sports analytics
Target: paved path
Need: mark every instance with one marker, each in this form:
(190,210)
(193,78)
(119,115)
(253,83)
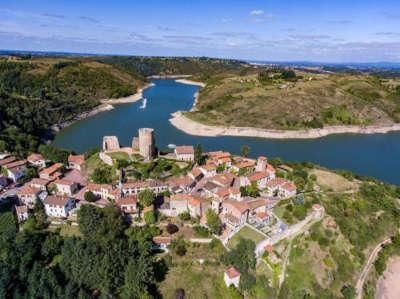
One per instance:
(364,273)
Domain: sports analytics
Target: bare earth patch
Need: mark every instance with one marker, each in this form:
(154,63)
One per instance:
(388,284)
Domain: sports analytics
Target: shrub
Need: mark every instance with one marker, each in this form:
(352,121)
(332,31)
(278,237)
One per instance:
(201,231)
(185,216)
(90,196)
(172,228)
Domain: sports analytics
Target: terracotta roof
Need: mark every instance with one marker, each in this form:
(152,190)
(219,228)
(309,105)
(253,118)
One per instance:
(316,207)
(270,168)
(289,186)
(180,181)
(269,248)
(256,203)
(27,190)
(15,164)
(245,164)
(232,272)
(195,201)
(180,197)
(35,157)
(196,171)
(64,182)
(262,158)
(238,205)
(142,184)
(162,240)
(77,159)
(276,182)
(126,201)
(184,150)
(224,192)
(258,175)
(218,154)
(224,179)
(52,169)
(262,215)
(60,201)
(38,181)
(7,160)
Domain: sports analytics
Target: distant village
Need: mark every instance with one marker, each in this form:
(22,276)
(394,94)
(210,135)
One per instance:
(221,183)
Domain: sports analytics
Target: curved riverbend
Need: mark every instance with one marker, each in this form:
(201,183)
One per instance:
(375,154)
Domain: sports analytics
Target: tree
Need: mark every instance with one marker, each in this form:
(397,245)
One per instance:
(146,197)
(2,146)
(138,275)
(178,246)
(185,216)
(172,228)
(150,217)
(213,222)
(245,150)
(198,155)
(53,153)
(102,175)
(90,196)
(348,292)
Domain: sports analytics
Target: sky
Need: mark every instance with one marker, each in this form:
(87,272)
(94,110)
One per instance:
(269,30)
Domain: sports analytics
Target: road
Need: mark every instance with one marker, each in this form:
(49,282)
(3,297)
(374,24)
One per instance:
(364,273)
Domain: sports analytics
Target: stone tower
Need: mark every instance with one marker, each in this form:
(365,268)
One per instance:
(261,163)
(110,143)
(146,143)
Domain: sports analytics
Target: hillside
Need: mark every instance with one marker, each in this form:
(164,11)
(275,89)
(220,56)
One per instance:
(277,99)
(39,92)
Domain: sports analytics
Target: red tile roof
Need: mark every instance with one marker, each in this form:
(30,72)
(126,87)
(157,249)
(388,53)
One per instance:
(77,159)
(162,240)
(258,175)
(127,201)
(52,169)
(60,201)
(232,272)
(7,160)
(184,150)
(27,190)
(34,157)
(64,182)
(15,164)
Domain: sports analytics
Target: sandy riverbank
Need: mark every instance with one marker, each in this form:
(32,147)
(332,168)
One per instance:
(388,286)
(129,99)
(190,82)
(192,127)
(168,76)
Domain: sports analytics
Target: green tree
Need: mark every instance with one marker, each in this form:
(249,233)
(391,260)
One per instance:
(150,217)
(198,154)
(245,150)
(213,222)
(90,196)
(146,197)
(102,175)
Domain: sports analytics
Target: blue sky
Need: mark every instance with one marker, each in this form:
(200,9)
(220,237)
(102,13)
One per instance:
(313,30)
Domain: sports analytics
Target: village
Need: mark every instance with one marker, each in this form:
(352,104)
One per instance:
(238,193)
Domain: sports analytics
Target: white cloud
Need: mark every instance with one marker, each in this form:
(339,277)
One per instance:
(257,12)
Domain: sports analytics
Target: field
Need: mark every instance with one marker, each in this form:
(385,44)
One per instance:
(333,181)
(245,233)
(314,100)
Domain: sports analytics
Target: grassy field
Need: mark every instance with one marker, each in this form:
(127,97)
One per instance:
(119,156)
(67,230)
(92,163)
(313,100)
(245,233)
(333,181)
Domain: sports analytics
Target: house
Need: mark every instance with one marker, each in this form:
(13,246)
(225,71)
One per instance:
(76,161)
(196,174)
(179,203)
(242,165)
(184,153)
(6,160)
(235,213)
(161,243)
(66,187)
(281,188)
(38,183)
(261,164)
(220,158)
(259,177)
(21,212)
(15,170)
(223,179)
(136,187)
(197,206)
(181,184)
(128,205)
(208,170)
(232,277)
(103,191)
(37,160)
(27,195)
(228,192)
(58,206)
(51,173)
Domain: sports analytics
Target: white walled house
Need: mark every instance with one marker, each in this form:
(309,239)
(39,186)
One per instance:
(184,153)
(37,160)
(58,206)
(22,213)
(27,195)
(76,161)
(66,187)
(232,277)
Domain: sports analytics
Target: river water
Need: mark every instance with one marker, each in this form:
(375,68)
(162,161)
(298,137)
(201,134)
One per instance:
(375,155)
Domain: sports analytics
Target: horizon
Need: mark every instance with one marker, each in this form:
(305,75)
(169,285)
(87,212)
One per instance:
(316,32)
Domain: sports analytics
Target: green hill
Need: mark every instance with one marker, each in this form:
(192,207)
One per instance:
(268,99)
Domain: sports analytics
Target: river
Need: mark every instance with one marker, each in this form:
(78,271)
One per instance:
(375,155)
